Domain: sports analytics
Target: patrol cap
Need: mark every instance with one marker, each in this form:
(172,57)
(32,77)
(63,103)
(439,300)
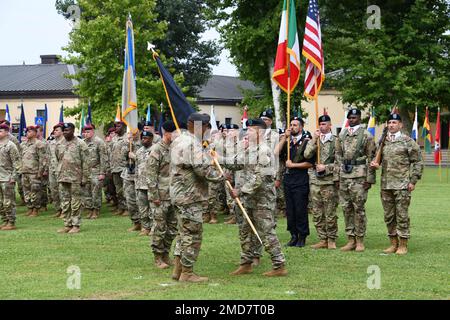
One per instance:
(33,128)
(4,126)
(89,126)
(267,114)
(256,123)
(147,134)
(169,126)
(395,116)
(68,125)
(299,119)
(353,112)
(58,125)
(324,118)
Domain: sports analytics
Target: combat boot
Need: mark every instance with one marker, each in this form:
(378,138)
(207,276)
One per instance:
(243,269)
(4,224)
(118,212)
(89,214)
(360,244)
(166,259)
(125,213)
(293,241)
(159,263)
(176,268)
(232,220)
(188,275)
(279,272)
(331,244)
(351,244)
(43,209)
(136,227)
(206,217)
(301,242)
(322,244)
(34,213)
(394,245)
(213,219)
(95,214)
(403,247)
(29,212)
(74,230)
(9,227)
(57,214)
(256,262)
(144,232)
(64,230)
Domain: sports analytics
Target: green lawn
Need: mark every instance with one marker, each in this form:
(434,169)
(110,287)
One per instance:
(116,264)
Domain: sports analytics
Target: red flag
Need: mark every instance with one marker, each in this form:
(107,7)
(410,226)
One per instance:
(244,118)
(437,139)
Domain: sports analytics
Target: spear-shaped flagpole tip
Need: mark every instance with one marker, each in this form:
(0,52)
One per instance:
(151,47)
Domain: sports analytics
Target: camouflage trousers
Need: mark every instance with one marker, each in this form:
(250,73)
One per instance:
(44,191)
(108,189)
(264,223)
(353,197)
(190,232)
(281,200)
(395,205)
(324,201)
(118,185)
(145,213)
(256,248)
(54,190)
(20,188)
(32,190)
(130,197)
(71,197)
(7,202)
(164,227)
(217,198)
(92,193)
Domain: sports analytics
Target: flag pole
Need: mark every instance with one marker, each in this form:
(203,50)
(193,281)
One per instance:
(288,62)
(316,103)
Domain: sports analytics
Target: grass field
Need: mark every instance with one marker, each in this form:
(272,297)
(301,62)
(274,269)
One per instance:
(116,264)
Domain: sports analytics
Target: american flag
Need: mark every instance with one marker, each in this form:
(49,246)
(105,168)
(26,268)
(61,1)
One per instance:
(312,50)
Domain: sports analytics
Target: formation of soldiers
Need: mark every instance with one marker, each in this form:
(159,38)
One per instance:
(170,185)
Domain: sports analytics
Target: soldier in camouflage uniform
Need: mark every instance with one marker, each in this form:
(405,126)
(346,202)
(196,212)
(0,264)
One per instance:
(323,181)
(355,149)
(44,179)
(191,169)
(402,167)
(34,167)
(53,164)
(73,174)
(97,162)
(142,195)
(149,127)
(9,173)
(158,180)
(108,185)
(118,164)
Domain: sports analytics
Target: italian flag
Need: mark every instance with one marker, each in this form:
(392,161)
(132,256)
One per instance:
(288,48)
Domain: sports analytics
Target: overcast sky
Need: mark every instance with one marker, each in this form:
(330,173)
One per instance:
(30,28)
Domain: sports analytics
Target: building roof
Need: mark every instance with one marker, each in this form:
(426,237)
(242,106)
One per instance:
(36,80)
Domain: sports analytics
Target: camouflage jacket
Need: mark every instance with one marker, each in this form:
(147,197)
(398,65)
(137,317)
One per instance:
(117,161)
(53,162)
(327,158)
(190,170)
(358,148)
(34,157)
(158,172)
(97,159)
(13,139)
(401,163)
(142,156)
(10,161)
(72,161)
(108,153)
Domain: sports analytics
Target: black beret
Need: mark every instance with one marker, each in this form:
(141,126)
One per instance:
(148,123)
(169,126)
(353,112)
(324,118)
(298,119)
(68,125)
(147,134)
(395,116)
(307,134)
(267,114)
(256,123)
(196,117)
(206,118)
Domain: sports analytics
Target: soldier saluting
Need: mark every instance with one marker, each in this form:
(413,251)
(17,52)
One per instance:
(402,167)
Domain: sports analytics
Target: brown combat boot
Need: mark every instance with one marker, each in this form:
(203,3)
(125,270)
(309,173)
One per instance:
(331,244)
(176,268)
(43,209)
(30,211)
(166,259)
(57,214)
(159,263)
(9,227)
(64,230)
(118,212)
(144,232)
(232,220)
(280,272)
(125,213)
(402,248)
(74,230)
(95,214)
(213,219)
(4,224)
(256,262)
(360,244)
(322,244)
(90,212)
(243,269)
(206,217)
(188,275)
(136,227)
(34,213)
(394,245)
(351,244)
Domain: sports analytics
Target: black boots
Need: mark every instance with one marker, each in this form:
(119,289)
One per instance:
(293,241)
(301,242)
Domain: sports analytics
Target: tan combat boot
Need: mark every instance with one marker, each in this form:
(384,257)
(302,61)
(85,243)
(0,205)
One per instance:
(322,244)
(188,275)
(213,219)
(280,272)
(74,230)
(95,214)
(118,212)
(64,230)
(331,244)
(90,212)
(206,217)
(351,244)
(57,214)
(34,213)
(9,227)
(4,224)
(360,244)
(30,211)
(125,213)
(166,259)
(159,263)
(232,220)
(402,248)
(243,269)
(136,227)
(176,268)
(144,232)
(256,262)
(394,245)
